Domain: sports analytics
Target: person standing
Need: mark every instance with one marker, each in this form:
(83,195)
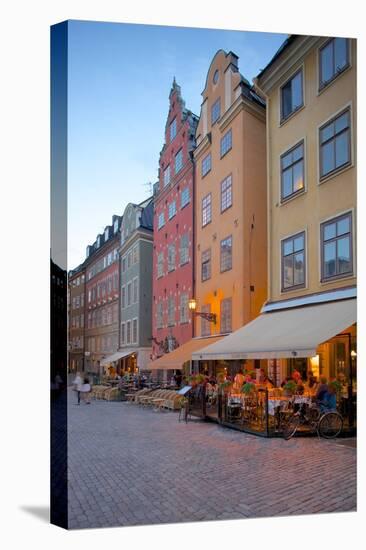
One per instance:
(77,385)
(86,390)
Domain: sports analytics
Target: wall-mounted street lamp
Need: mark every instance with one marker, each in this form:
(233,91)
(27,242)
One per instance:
(210,317)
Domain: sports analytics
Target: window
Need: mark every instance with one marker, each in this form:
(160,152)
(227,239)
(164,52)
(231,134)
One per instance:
(226,194)
(78,281)
(115,226)
(161,220)
(106,234)
(184,197)
(171,313)
(206,265)
(293,262)
(129,293)
(115,313)
(206,165)
(123,297)
(206,210)
(184,308)
(128,332)
(226,253)
(82,320)
(134,331)
(160,266)
(205,325)
(123,264)
(226,143)
(216,77)
(135,290)
(335,144)
(171,257)
(115,281)
(178,161)
(215,111)
(292,172)
(184,249)
(173,129)
(129,259)
(172,210)
(291,96)
(333,60)
(167,176)
(135,255)
(336,246)
(98,241)
(225,316)
(159,315)
(82,300)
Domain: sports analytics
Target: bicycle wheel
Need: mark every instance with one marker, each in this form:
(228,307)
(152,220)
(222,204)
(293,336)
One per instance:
(330,425)
(290,427)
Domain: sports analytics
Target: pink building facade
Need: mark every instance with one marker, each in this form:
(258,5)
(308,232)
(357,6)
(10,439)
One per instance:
(173,262)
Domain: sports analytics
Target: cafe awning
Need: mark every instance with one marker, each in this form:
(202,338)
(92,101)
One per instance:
(294,332)
(116,356)
(176,358)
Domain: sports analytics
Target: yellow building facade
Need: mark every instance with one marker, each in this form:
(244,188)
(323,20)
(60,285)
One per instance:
(310,92)
(230,200)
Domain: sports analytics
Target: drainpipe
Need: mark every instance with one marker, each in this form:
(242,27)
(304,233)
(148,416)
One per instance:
(269,181)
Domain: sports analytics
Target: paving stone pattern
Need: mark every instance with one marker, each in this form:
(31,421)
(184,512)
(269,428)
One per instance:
(133,466)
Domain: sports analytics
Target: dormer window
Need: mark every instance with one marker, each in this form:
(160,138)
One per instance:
(106,234)
(98,241)
(115,226)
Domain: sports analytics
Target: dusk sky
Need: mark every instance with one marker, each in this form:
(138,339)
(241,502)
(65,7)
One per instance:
(120,76)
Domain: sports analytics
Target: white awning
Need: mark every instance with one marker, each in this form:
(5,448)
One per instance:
(293,332)
(176,358)
(116,356)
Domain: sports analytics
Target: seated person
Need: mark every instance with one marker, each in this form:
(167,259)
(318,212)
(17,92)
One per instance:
(296,376)
(299,387)
(329,401)
(321,389)
(312,383)
(264,381)
(238,382)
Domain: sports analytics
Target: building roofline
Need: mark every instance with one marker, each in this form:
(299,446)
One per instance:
(289,40)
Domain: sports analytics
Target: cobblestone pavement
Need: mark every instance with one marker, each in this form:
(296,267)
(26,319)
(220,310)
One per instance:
(133,466)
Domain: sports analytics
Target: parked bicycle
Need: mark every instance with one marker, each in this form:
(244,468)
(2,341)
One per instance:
(326,424)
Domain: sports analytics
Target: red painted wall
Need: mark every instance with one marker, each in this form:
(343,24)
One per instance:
(181,279)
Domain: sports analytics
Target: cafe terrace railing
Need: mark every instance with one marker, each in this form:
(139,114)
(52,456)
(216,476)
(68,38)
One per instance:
(262,411)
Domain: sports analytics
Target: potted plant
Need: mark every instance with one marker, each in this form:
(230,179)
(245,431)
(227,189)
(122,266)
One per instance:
(248,388)
(290,388)
(220,378)
(200,378)
(226,386)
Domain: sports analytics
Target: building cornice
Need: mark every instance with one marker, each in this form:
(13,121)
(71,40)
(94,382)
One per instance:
(203,146)
(141,233)
(240,104)
(292,55)
(316,298)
